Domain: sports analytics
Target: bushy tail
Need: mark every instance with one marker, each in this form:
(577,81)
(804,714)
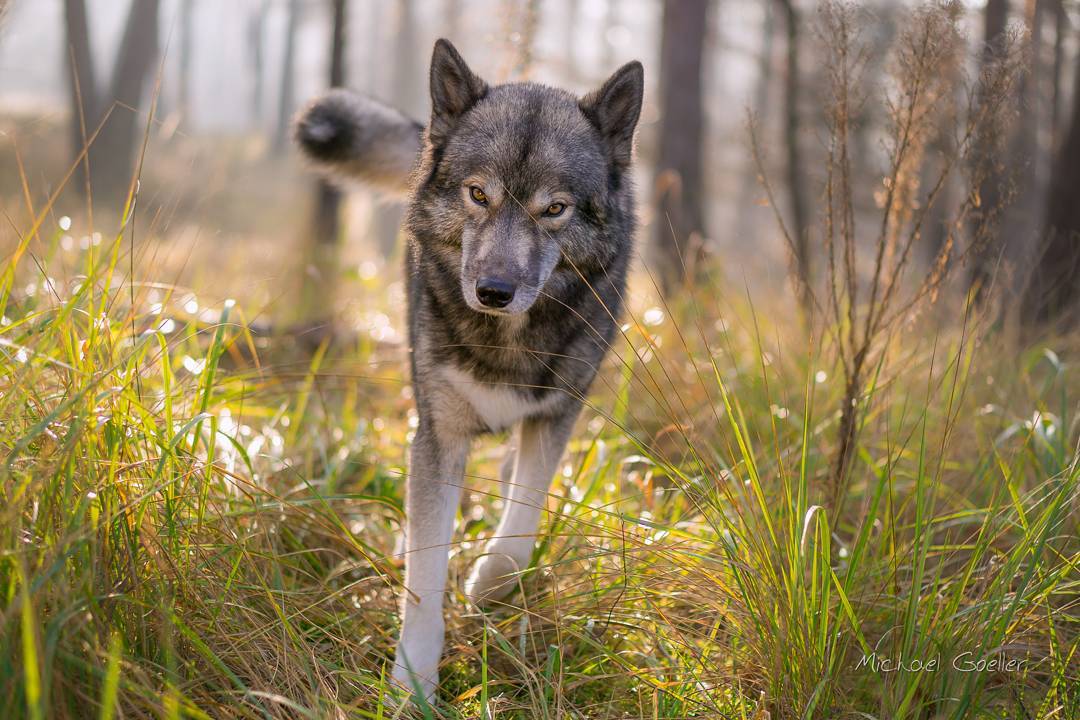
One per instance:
(354,136)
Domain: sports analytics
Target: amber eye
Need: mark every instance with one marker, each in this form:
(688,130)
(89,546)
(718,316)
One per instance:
(478,195)
(555,210)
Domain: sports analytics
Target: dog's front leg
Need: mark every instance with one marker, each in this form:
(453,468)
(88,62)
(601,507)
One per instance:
(436,471)
(541,443)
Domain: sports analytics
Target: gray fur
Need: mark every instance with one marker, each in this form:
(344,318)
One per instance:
(528,150)
(354,136)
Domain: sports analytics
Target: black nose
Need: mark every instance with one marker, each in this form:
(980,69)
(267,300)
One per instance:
(494,293)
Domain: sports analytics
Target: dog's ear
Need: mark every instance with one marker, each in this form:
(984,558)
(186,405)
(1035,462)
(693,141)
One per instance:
(614,110)
(454,89)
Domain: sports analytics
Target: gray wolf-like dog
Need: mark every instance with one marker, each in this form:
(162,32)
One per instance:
(520,227)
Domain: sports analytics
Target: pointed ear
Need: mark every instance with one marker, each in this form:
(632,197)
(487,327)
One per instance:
(454,89)
(614,110)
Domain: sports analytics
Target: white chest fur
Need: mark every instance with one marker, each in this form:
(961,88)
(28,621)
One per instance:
(498,406)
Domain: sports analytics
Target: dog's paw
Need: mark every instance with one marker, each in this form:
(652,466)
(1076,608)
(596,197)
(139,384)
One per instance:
(417,684)
(493,577)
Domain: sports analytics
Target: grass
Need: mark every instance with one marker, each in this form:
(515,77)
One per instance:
(193,527)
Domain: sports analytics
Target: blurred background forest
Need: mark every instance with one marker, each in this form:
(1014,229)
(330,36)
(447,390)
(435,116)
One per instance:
(237,214)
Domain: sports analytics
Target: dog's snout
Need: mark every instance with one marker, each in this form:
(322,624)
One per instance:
(494,293)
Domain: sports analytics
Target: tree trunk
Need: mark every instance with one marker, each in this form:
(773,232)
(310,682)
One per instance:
(1061,29)
(939,217)
(374,46)
(187,37)
(530,24)
(678,222)
(320,281)
(569,46)
(1031,101)
(746,219)
(82,91)
(937,222)
(328,197)
(287,96)
(1053,290)
(451,20)
(611,18)
(256,52)
(410,72)
(407,92)
(796,191)
(984,237)
(113,152)
(1023,216)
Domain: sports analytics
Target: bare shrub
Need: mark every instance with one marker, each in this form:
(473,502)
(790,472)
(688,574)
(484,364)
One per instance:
(868,255)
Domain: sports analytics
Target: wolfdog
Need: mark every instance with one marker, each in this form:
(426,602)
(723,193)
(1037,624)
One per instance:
(520,227)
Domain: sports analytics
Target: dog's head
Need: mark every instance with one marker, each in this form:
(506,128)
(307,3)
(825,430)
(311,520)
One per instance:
(520,176)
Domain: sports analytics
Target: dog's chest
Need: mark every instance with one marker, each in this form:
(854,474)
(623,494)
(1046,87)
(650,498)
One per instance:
(496,406)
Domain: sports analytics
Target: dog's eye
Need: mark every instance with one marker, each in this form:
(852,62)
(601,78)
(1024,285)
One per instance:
(478,196)
(555,210)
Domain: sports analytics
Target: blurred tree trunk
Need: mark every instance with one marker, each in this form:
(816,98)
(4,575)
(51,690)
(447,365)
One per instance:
(746,225)
(1023,216)
(111,158)
(409,76)
(1031,97)
(611,18)
(328,197)
(320,280)
(1053,290)
(1061,30)
(796,190)
(256,58)
(765,63)
(373,49)
(407,79)
(521,26)
(940,234)
(937,222)
(287,95)
(678,222)
(115,148)
(569,48)
(187,39)
(82,92)
(451,21)
(986,248)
